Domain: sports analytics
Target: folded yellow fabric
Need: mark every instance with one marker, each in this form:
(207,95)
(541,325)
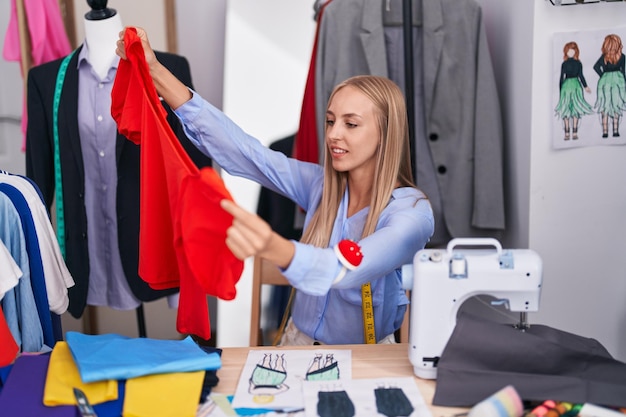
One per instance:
(63,376)
(163,395)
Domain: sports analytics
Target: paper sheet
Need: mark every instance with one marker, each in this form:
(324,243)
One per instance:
(273,379)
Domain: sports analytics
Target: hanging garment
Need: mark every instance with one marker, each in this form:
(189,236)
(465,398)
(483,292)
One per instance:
(10,273)
(45,29)
(40,168)
(57,277)
(35,265)
(48,39)
(306,142)
(8,347)
(18,304)
(183,228)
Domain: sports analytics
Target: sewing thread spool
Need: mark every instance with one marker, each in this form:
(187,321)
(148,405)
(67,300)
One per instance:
(504,403)
(543,409)
(573,412)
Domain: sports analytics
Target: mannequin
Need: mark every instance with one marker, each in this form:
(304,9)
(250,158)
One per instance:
(100,167)
(102,28)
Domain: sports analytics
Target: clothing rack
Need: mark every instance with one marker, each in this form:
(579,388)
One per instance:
(25,46)
(407,32)
(25,65)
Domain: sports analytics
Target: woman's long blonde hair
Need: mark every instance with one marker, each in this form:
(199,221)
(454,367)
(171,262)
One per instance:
(393,162)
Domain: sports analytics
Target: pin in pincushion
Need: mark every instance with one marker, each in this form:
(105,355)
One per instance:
(349,254)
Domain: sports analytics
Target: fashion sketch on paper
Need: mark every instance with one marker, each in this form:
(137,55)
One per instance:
(572,105)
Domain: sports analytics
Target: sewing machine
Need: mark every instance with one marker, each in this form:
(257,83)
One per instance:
(441,280)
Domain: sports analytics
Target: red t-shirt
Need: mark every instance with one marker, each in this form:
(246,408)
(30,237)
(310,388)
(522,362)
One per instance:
(182,226)
(8,346)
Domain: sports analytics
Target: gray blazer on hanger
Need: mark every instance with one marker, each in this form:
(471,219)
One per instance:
(463,119)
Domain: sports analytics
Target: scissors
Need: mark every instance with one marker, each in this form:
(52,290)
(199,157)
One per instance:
(86,410)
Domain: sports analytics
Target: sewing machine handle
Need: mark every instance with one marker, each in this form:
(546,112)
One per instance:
(474,241)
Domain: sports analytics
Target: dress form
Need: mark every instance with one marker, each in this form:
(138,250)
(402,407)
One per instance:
(102,28)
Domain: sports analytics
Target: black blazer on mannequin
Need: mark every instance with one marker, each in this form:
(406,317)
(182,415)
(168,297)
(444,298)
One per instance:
(40,168)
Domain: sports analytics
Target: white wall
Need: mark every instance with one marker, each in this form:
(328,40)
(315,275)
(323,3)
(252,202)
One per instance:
(200,31)
(511,54)
(578,202)
(268,50)
(574,199)
(148,14)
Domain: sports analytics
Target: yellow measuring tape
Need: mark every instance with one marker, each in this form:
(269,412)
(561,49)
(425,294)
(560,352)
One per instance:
(368,314)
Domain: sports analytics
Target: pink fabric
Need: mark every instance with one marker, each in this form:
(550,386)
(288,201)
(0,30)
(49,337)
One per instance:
(47,32)
(48,38)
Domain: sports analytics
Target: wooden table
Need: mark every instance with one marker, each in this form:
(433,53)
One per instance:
(368,361)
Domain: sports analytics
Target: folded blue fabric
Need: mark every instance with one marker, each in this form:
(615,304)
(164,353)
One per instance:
(112,356)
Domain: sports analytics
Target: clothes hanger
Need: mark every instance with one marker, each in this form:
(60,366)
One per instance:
(574,2)
(394,10)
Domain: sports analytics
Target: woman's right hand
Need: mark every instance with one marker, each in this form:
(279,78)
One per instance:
(174,92)
(250,235)
(145,43)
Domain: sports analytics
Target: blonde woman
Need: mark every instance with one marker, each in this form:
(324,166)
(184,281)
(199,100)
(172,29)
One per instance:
(364,192)
(611,96)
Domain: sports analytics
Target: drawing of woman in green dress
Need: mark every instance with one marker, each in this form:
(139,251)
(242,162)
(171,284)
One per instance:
(611,97)
(572,104)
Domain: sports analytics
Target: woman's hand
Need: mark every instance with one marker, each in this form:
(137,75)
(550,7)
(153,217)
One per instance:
(250,235)
(174,92)
(145,43)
